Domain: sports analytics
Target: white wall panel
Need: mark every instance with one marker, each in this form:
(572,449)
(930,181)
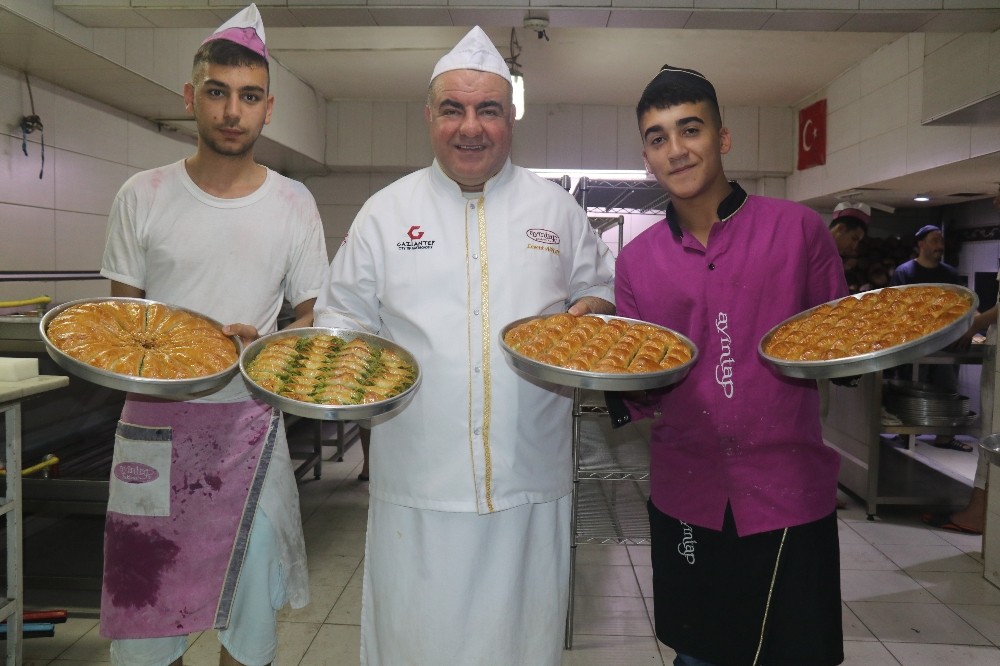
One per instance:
(742,122)
(418,142)
(929,147)
(79,243)
(354,132)
(629,141)
(563,139)
(388,121)
(530,132)
(337,218)
(882,157)
(889,63)
(29,238)
(599,137)
(19,181)
(844,90)
(885,109)
(775,147)
(985,140)
(85,184)
(843,127)
(84,126)
(151,146)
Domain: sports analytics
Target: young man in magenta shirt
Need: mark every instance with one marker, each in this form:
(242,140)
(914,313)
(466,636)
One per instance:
(742,508)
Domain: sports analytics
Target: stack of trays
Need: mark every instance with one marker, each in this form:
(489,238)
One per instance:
(923,405)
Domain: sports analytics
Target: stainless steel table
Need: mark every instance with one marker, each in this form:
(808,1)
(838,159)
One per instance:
(12,603)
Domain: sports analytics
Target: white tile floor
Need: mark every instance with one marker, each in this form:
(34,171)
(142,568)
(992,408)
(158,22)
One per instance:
(912,595)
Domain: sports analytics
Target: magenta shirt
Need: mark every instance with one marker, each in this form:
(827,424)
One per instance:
(734,430)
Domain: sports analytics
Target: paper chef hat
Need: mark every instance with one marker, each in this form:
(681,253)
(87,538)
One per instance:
(246,29)
(475,51)
(861,211)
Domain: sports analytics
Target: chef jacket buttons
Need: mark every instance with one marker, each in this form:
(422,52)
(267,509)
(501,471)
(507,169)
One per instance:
(476,312)
(477,430)
(477,369)
(711,267)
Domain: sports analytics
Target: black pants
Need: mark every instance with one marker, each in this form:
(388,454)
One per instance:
(769,599)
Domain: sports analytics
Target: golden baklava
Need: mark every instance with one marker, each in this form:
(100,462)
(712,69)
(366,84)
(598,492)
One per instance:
(142,339)
(325,369)
(593,344)
(868,323)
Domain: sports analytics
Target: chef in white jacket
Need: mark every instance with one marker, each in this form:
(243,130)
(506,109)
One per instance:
(467,556)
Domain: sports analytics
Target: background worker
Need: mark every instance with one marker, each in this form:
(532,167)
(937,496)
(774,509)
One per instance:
(849,226)
(929,266)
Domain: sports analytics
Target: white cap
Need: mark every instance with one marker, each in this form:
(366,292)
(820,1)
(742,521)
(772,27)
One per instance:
(853,209)
(475,51)
(246,29)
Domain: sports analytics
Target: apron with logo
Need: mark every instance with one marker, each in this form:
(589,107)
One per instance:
(185,481)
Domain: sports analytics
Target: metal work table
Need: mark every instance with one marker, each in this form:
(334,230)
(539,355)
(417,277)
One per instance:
(12,604)
(877,472)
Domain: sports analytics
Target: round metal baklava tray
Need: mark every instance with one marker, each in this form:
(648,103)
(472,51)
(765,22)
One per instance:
(382,408)
(906,352)
(600,381)
(167,388)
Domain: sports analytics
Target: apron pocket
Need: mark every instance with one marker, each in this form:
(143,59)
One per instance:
(140,471)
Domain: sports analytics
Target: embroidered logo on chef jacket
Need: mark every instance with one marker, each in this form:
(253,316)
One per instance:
(687,544)
(724,370)
(543,239)
(416,242)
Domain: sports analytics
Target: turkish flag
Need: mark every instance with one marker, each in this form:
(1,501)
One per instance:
(812,135)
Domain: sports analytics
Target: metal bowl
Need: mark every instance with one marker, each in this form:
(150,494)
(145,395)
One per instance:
(600,381)
(991,448)
(879,360)
(169,388)
(310,410)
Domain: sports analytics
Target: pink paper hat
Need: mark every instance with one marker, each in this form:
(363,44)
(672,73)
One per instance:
(246,29)
(853,209)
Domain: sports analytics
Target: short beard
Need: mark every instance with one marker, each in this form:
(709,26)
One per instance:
(227,152)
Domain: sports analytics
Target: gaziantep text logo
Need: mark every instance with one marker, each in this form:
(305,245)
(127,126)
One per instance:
(416,241)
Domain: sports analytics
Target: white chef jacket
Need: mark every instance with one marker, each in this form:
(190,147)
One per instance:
(442,274)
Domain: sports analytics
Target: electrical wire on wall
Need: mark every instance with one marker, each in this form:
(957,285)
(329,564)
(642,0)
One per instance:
(30,124)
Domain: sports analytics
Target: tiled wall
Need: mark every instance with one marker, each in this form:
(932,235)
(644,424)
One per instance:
(874,129)
(57,222)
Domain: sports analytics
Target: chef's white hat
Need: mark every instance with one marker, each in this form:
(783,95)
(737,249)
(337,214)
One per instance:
(475,51)
(859,210)
(246,29)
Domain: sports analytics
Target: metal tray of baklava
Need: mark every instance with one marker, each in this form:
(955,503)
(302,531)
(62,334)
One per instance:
(381,408)
(600,381)
(890,357)
(165,388)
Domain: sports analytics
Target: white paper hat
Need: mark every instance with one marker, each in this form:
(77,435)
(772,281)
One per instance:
(475,51)
(246,29)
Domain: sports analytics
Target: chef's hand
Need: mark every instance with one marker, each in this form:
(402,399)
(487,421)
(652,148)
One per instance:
(591,305)
(246,332)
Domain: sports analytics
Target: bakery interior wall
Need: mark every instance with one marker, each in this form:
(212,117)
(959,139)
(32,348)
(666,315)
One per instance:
(56,223)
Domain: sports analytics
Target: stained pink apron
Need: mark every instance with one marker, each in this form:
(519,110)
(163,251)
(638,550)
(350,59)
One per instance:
(185,482)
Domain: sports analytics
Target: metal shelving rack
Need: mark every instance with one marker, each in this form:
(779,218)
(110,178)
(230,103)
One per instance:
(12,604)
(610,467)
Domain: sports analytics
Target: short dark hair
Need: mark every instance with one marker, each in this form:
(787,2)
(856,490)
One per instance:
(228,54)
(850,223)
(673,86)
